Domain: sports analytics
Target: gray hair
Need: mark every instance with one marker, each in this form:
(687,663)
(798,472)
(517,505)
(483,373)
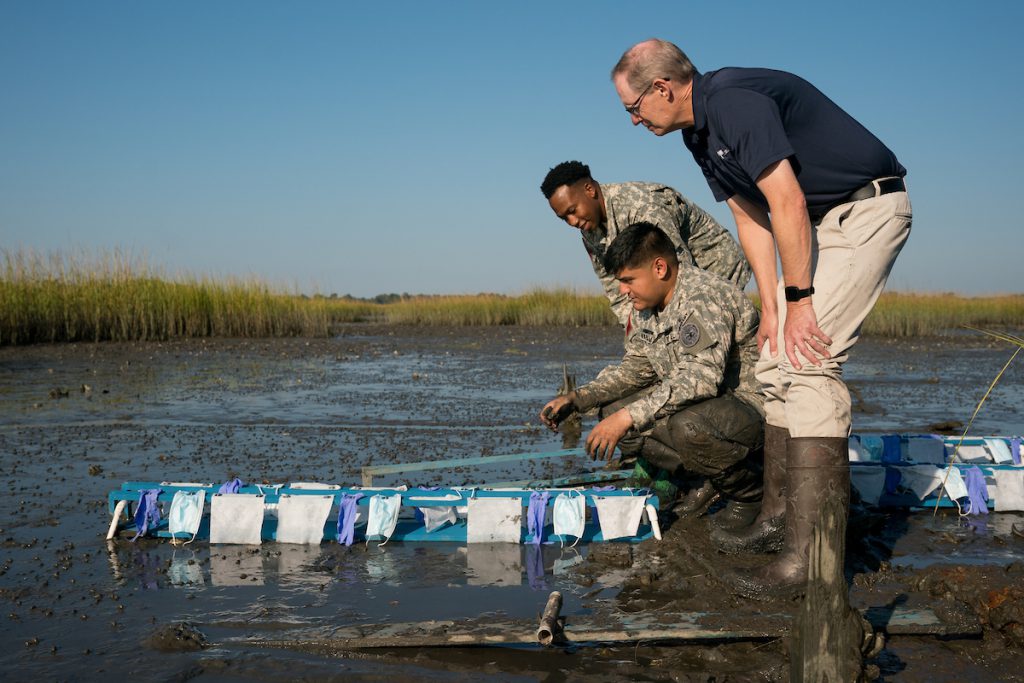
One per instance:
(651,59)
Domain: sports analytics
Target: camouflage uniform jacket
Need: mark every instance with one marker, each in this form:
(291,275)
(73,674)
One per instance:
(702,345)
(698,237)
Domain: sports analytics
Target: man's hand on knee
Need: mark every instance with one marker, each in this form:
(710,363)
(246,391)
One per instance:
(606,435)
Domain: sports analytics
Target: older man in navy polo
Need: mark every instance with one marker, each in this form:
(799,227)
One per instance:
(806,181)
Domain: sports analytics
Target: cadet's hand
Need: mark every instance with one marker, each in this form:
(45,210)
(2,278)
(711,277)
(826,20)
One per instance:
(802,334)
(768,331)
(606,435)
(557,410)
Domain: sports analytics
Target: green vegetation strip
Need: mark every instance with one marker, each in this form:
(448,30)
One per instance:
(57,298)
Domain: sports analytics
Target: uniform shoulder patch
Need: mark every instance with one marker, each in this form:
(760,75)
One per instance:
(693,336)
(689,334)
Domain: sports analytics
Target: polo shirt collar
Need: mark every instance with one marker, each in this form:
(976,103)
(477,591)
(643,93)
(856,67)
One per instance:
(700,117)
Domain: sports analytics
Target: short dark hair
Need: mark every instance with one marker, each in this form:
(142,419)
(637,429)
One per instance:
(566,173)
(638,244)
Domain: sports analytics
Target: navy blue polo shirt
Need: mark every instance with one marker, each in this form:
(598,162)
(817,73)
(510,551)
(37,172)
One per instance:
(745,120)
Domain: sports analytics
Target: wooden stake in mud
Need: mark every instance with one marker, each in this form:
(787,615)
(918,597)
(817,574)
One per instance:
(550,630)
(572,427)
(828,637)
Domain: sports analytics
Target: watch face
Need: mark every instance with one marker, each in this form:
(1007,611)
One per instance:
(795,293)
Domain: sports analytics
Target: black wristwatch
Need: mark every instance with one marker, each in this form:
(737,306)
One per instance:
(795,293)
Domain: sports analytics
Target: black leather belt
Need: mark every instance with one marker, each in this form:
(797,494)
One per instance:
(876,188)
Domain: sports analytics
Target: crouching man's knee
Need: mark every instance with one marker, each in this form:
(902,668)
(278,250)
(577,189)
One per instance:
(714,435)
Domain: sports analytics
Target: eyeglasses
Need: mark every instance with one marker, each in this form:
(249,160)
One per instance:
(634,109)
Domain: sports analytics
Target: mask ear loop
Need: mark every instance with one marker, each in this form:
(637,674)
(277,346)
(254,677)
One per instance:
(368,504)
(388,538)
(575,552)
(580,493)
(202,504)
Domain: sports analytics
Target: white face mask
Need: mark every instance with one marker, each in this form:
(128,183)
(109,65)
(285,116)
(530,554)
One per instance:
(383,516)
(569,515)
(955,486)
(186,513)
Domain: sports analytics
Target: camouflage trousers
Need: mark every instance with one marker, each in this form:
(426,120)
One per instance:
(706,438)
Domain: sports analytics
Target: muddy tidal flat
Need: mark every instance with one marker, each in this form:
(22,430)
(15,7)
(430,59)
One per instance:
(77,420)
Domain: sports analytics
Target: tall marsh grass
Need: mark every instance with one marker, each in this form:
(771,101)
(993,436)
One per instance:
(920,315)
(537,307)
(60,297)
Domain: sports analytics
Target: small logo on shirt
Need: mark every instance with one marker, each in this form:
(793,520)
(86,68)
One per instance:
(723,153)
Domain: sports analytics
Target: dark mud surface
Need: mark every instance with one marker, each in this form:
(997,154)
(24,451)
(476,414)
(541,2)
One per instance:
(78,420)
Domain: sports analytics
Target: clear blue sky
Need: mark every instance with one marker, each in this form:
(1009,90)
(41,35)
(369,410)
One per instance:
(381,147)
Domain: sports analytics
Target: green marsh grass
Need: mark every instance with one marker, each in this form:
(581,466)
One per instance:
(537,307)
(66,298)
(900,314)
(59,297)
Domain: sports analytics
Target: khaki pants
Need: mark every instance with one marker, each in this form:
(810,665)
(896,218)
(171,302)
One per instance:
(853,250)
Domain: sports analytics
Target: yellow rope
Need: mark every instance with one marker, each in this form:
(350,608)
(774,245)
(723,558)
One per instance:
(1019,343)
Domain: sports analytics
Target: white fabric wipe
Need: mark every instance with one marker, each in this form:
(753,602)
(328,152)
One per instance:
(619,516)
(921,479)
(869,482)
(1009,493)
(436,517)
(301,519)
(926,450)
(494,520)
(973,454)
(236,518)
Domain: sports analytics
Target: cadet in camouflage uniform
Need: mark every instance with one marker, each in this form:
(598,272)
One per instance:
(692,336)
(601,212)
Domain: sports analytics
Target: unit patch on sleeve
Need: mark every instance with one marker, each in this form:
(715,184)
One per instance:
(693,337)
(689,335)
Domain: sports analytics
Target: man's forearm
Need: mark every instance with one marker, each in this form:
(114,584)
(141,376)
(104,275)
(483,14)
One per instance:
(754,231)
(789,223)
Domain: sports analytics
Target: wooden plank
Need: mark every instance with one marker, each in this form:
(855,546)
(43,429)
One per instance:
(664,627)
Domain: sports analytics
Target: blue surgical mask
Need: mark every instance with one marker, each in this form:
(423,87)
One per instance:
(383,516)
(186,512)
(569,515)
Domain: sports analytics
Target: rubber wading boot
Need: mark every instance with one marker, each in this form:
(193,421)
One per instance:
(742,487)
(765,534)
(697,500)
(817,469)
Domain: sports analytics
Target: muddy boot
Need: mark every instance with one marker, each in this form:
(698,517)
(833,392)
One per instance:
(817,469)
(697,500)
(736,516)
(741,485)
(764,535)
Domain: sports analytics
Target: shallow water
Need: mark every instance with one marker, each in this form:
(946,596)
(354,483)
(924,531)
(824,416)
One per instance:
(319,410)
